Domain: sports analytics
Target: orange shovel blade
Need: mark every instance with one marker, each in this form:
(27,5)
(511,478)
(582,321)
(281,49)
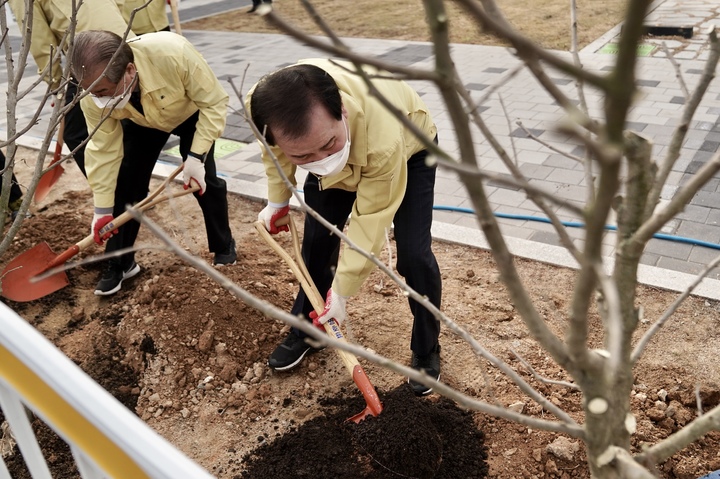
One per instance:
(46,182)
(17,277)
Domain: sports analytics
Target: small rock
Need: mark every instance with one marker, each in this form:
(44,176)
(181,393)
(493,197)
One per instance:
(78,314)
(551,467)
(563,448)
(229,372)
(517,407)
(185,412)
(301,412)
(655,414)
(537,454)
(206,340)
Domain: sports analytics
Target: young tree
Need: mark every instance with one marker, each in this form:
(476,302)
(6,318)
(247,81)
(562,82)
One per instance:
(623,177)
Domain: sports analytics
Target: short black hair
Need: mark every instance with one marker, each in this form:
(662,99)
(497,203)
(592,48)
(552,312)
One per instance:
(282,100)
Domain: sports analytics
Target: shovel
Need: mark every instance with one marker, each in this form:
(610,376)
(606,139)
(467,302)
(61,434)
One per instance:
(18,279)
(332,328)
(175,16)
(47,180)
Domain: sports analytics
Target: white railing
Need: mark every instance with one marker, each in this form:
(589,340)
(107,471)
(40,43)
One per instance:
(106,439)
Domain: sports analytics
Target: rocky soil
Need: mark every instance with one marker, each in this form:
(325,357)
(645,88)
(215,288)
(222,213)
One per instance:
(189,359)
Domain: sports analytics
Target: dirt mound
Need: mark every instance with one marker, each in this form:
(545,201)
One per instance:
(427,438)
(191,360)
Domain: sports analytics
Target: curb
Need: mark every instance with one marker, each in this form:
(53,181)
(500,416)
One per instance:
(544,253)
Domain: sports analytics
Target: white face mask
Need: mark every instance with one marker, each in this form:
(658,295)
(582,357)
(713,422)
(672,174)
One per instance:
(118,101)
(334,163)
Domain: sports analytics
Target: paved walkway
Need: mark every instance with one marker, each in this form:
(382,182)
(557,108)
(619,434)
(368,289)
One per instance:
(666,263)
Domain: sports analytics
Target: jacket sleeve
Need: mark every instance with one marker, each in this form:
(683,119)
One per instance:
(103,154)
(379,195)
(204,89)
(43,44)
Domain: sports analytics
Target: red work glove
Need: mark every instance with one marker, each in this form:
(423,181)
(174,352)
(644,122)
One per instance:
(270,214)
(334,308)
(98,222)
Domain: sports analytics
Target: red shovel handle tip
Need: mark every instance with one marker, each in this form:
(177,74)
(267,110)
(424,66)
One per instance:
(368,391)
(63,257)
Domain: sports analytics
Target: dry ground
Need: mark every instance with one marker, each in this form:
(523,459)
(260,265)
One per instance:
(189,358)
(545,21)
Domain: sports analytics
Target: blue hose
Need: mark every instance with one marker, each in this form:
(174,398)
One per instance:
(577,224)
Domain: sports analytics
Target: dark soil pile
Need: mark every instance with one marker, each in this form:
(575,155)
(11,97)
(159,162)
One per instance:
(190,359)
(57,454)
(412,437)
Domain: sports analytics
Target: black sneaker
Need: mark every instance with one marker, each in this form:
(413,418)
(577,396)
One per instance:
(290,353)
(431,365)
(227,257)
(113,277)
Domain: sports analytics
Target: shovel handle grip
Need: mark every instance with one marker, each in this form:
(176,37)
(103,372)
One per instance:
(300,272)
(146,204)
(127,216)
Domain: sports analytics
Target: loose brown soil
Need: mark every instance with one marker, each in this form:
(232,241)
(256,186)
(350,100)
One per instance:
(189,359)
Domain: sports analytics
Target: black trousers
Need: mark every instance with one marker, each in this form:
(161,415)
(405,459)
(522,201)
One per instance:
(75,127)
(415,259)
(15,191)
(142,148)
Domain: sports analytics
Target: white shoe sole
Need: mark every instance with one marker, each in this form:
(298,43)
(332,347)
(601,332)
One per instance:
(292,365)
(425,393)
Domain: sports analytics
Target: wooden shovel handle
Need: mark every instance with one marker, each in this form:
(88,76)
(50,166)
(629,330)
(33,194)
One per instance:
(59,142)
(332,328)
(148,202)
(175,16)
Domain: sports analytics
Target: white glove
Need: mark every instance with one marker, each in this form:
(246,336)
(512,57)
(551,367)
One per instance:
(334,308)
(194,170)
(271,213)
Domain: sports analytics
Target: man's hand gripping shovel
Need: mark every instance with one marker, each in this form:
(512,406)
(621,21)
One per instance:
(20,280)
(332,328)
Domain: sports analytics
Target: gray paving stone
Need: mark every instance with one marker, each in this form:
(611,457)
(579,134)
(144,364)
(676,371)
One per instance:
(698,231)
(669,249)
(655,114)
(679,265)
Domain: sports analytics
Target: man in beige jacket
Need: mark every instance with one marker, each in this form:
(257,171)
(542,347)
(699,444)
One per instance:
(363,162)
(50,23)
(152,18)
(158,84)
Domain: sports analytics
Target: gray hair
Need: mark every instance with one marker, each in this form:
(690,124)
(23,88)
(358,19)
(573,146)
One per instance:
(97,48)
